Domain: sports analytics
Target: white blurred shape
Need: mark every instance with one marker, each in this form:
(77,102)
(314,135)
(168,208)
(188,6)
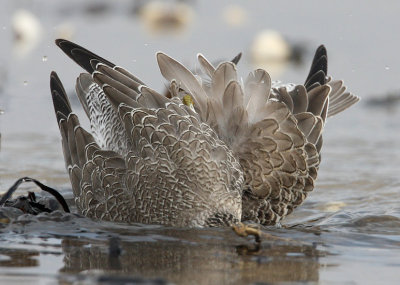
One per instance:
(27,32)
(334,206)
(65,31)
(270,51)
(234,15)
(166,17)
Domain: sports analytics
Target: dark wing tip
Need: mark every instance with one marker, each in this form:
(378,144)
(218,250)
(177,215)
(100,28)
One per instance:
(55,83)
(236,59)
(80,55)
(321,51)
(58,41)
(318,68)
(61,104)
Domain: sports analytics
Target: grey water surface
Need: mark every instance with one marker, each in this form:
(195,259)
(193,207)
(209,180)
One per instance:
(347,231)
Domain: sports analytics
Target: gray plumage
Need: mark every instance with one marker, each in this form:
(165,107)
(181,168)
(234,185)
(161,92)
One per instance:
(240,152)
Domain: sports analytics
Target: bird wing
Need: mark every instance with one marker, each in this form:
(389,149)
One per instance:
(175,170)
(106,126)
(274,131)
(96,175)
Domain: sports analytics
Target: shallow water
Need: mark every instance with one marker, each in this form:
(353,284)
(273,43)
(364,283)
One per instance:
(347,231)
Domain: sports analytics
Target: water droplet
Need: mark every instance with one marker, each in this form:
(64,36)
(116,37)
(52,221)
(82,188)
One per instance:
(134,60)
(1,112)
(146,45)
(44,58)
(25,82)
(387,67)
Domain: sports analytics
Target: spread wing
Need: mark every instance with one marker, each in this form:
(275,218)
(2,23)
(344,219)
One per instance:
(151,161)
(108,130)
(274,132)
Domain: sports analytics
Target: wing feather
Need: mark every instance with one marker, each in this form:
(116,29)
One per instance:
(257,91)
(206,65)
(173,70)
(223,75)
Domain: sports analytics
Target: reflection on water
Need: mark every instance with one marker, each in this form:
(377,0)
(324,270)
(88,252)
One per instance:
(348,230)
(206,260)
(18,258)
(209,256)
(94,251)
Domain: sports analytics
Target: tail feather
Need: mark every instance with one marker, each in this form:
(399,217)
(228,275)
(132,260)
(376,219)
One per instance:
(339,98)
(348,100)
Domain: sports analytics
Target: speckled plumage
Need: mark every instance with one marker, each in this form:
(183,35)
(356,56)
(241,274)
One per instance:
(241,152)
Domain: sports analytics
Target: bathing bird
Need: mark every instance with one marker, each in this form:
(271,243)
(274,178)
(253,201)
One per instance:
(216,151)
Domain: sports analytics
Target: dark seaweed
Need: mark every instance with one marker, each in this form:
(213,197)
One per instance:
(30,200)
